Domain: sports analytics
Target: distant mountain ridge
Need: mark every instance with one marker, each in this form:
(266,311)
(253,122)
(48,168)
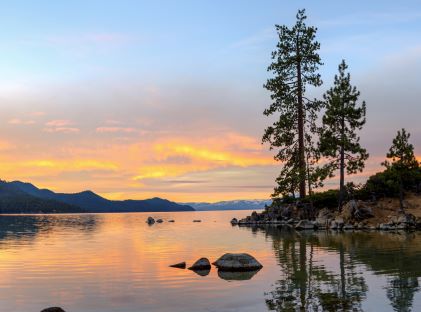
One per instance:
(16,194)
(231,205)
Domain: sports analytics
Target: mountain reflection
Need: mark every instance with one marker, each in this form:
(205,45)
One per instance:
(322,271)
(17,229)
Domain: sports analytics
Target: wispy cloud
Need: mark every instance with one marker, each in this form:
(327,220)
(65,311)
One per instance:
(62,129)
(18,121)
(60,125)
(115,130)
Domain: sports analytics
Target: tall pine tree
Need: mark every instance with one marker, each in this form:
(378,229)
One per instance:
(403,165)
(295,63)
(339,141)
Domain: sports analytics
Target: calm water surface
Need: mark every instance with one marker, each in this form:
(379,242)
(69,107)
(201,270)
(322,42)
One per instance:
(116,262)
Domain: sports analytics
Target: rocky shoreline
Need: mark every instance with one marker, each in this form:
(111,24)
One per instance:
(355,215)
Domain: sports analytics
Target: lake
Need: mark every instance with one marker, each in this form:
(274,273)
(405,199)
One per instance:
(116,262)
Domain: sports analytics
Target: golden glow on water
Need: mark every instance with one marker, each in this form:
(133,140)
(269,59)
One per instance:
(116,262)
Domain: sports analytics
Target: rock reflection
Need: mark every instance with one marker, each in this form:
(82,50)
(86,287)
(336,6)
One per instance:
(237,276)
(309,283)
(202,272)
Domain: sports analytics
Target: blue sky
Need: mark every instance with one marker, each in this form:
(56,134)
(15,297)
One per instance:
(93,91)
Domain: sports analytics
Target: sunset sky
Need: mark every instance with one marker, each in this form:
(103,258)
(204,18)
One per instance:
(135,99)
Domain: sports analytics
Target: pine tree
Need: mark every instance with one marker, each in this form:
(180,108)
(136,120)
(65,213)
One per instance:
(295,63)
(339,141)
(403,165)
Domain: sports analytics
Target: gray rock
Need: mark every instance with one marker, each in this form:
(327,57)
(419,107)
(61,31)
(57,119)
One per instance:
(305,225)
(337,224)
(234,221)
(402,226)
(348,227)
(386,227)
(237,262)
(405,218)
(53,309)
(181,265)
(150,220)
(201,264)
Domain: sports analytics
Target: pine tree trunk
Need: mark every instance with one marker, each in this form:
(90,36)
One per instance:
(342,167)
(302,162)
(401,196)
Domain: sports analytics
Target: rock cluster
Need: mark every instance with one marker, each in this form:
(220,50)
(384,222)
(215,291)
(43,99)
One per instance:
(355,215)
(231,266)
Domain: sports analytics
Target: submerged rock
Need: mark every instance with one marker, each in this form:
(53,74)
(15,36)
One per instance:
(237,275)
(171,221)
(201,264)
(159,221)
(150,220)
(53,309)
(181,265)
(237,262)
(197,220)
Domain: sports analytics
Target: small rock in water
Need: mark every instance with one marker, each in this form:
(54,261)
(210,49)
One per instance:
(234,221)
(181,265)
(201,264)
(197,220)
(237,262)
(150,220)
(159,221)
(171,221)
(53,309)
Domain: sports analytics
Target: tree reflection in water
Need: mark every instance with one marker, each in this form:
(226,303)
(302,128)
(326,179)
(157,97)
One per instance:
(309,283)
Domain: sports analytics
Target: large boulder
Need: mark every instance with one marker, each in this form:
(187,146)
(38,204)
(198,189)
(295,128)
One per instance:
(305,225)
(237,262)
(201,264)
(53,309)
